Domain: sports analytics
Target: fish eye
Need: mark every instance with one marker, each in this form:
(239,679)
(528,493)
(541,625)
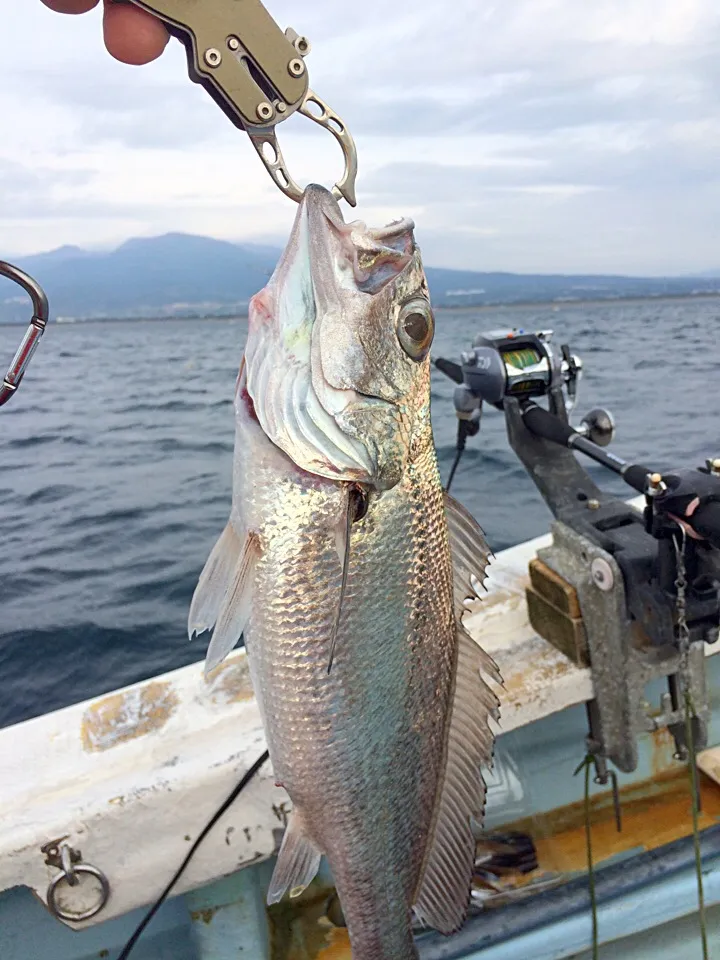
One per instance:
(415,328)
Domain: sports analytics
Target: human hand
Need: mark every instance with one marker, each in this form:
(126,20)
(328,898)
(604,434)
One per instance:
(131,34)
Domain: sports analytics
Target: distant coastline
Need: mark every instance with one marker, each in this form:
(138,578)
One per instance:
(184,276)
(554,305)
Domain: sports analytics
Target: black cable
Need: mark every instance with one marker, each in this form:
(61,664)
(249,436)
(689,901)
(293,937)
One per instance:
(127,949)
(458,455)
(466,428)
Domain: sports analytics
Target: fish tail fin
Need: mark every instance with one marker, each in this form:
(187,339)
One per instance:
(297,864)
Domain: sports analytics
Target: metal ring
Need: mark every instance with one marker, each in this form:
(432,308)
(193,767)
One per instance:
(87,914)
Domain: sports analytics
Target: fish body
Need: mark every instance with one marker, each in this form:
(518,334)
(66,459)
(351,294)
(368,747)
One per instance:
(380,744)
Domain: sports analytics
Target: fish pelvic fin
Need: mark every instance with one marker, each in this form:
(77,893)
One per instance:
(297,863)
(444,890)
(223,596)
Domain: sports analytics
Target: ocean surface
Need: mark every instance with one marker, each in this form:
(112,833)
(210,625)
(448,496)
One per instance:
(115,471)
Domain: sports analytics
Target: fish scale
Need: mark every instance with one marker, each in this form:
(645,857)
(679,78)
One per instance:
(358,751)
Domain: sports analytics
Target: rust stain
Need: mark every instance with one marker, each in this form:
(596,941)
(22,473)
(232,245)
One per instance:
(230,682)
(204,916)
(662,748)
(300,929)
(338,947)
(654,812)
(124,716)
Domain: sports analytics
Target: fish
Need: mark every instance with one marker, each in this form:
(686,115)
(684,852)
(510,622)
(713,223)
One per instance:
(345,567)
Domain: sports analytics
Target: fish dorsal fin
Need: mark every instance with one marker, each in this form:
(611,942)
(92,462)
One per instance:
(223,596)
(297,863)
(444,892)
(470,552)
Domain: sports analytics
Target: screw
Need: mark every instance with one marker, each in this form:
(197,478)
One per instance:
(593,504)
(302,45)
(233,43)
(280,106)
(213,57)
(264,111)
(296,68)
(714,466)
(602,574)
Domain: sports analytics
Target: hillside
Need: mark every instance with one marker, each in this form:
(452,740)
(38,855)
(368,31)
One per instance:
(184,275)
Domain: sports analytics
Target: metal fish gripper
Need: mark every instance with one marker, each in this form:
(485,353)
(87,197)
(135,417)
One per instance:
(257,75)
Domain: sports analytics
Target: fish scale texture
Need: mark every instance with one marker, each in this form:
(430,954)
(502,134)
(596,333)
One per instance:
(360,751)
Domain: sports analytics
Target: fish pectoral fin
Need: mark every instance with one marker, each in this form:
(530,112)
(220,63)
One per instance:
(297,863)
(214,581)
(234,608)
(444,891)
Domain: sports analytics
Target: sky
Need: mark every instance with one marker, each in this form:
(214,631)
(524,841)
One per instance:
(562,136)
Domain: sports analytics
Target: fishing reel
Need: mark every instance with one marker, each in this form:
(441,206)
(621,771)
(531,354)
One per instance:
(639,592)
(519,364)
(524,366)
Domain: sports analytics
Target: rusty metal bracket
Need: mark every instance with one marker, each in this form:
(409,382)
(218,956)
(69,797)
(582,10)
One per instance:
(622,659)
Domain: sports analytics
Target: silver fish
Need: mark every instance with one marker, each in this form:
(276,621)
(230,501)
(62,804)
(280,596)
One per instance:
(346,567)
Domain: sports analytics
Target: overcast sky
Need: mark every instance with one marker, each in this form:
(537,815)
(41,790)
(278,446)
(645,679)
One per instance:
(529,135)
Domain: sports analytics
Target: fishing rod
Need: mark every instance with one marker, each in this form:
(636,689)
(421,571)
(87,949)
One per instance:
(647,583)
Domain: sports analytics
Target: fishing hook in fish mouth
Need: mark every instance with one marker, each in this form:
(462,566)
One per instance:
(357,508)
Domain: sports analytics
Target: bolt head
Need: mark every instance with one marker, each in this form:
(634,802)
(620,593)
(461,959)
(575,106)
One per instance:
(593,504)
(602,574)
(212,57)
(296,68)
(233,43)
(264,111)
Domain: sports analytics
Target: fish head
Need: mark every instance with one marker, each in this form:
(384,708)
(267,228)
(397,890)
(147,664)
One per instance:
(337,359)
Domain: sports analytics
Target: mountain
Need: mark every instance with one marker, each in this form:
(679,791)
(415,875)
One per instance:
(183,275)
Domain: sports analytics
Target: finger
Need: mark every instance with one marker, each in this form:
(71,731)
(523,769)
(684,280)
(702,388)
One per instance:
(131,35)
(71,6)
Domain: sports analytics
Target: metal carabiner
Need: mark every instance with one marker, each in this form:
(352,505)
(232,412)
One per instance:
(35,330)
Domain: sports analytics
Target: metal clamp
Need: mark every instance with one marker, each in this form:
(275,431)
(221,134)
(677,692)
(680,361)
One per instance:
(69,861)
(257,75)
(35,330)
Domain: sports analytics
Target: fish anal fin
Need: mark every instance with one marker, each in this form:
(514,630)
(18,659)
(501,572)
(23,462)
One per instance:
(235,607)
(214,581)
(443,893)
(298,861)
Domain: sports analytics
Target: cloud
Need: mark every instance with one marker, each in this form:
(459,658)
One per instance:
(545,135)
